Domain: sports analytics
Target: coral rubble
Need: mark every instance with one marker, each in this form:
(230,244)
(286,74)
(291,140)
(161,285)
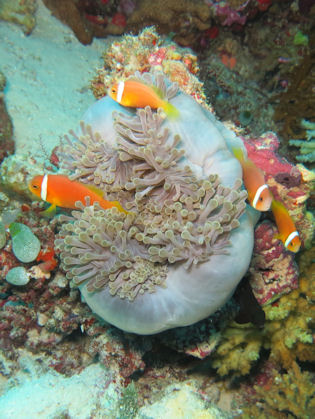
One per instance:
(19,12)
(143,53)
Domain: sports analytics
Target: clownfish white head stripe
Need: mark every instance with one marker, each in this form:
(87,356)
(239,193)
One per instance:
(120,91)
(258,193)
(290,238)
(43,189)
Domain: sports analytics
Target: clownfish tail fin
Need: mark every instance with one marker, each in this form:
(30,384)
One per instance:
(170,110)
(238,153)
(118,205)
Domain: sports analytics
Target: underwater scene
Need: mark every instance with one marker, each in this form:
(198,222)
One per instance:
(157,174)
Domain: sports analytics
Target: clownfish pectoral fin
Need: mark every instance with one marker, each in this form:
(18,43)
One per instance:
(50,211)
(277,236)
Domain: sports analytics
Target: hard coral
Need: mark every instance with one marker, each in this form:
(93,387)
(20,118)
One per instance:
(297,102)
(288,395)
(287,333)
(84,25)
(291,319)
(184,18)
(186,218)
(143,53)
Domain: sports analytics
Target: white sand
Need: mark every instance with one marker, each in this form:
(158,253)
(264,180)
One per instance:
(49,396)
(48,75)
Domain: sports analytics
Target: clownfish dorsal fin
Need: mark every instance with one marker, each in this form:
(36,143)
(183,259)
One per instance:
(158,91)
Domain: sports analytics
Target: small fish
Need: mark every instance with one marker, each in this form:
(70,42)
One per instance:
(287,231)
(60,191)
(135,94)
(259,195)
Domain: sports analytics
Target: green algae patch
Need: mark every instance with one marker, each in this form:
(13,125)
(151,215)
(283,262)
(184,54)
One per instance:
(25,244)
(17,276)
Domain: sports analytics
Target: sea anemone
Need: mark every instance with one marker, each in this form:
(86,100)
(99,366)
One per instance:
(178,254)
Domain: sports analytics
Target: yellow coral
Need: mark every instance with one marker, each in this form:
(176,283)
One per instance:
(290,322)
(238,349)
(287,332)
(292,393)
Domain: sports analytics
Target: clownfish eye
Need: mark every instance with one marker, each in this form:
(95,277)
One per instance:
(261,198)
(113,90)
(35,186)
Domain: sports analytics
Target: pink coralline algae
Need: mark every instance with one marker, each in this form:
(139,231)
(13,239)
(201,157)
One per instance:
(230,15)
(274,272)
(262,151)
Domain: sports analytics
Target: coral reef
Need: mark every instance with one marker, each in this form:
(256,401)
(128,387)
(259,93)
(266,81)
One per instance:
(19,12)
(274,272)
(291,318)
(185,19)
(249,67)
(288,331)
(247,105)
(6,128)
(307,146)
(297,102)
(145,52)
(237,351)
(292,185)
(163,181)
(46,316)
(14,175)
(283,395)
(93,18)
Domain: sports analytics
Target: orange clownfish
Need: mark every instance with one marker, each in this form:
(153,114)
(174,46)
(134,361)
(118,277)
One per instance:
(287,231)
(135,94)
(60,191)
(259,195)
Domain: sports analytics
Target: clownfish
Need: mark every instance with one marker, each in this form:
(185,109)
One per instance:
(135,94)
(259,195)
(287,231)
(60,191)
